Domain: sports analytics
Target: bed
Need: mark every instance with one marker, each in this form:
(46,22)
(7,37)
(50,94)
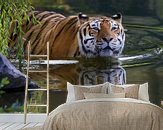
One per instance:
(102,111)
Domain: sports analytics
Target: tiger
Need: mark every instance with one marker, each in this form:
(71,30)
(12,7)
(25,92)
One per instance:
(92,76)
(72,36)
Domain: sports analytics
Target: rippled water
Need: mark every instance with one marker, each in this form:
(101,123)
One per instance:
(86,72)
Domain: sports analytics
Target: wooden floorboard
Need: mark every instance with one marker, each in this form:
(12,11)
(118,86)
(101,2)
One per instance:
(12,127)
(1,124)
(30,125)
(16,121)
(18,126)
(39,124)
(22,125)
(20,117)
(5,126)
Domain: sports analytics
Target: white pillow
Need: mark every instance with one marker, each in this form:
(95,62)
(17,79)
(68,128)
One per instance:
(101,95)
(71,92)
(142,92)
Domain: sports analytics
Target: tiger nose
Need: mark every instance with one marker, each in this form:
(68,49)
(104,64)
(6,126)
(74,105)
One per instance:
(115,40)
(110,37)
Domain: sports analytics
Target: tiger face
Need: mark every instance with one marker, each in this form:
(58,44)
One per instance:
(101,37)
(112,46)
(114,75)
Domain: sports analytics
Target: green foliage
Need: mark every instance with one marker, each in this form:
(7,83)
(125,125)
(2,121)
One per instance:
(13,11)
(4,82)
(14,107)
(37,98)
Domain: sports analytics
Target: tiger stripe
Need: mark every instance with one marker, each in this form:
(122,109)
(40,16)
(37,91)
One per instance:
(69,37)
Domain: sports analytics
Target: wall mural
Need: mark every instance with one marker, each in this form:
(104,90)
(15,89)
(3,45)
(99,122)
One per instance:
(86,36)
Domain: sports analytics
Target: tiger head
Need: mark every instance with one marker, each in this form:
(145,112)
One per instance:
(101,37)
(113,45)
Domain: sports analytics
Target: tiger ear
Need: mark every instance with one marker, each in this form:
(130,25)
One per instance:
(117,17)
(82,18)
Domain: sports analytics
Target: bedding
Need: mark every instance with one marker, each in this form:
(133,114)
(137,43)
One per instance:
(131,91)
(76,92)
(137,91)
(105,114)
(101,95)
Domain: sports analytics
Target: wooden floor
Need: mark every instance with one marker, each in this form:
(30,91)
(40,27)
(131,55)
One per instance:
(17,126)
(16,121)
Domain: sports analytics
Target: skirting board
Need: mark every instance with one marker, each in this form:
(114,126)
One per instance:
(7,117)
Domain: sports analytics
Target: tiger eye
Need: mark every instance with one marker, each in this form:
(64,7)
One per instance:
(93,32)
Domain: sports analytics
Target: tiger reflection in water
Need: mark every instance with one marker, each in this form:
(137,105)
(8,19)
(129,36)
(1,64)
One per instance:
(80,74)
(92,76)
